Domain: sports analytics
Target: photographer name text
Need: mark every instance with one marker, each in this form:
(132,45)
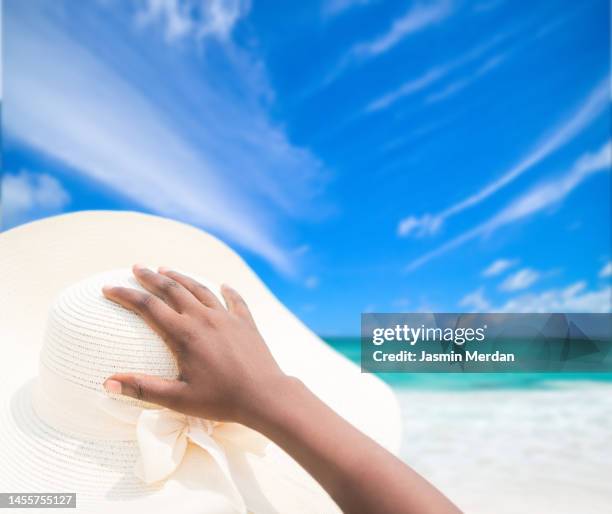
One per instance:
(473,356)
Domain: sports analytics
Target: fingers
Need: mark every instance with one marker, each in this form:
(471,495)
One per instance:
(164,392)
(200,291)
(159,316)
(235,303)
(169,290)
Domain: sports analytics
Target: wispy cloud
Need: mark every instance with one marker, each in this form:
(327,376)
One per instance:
(575,297)
(464,82)
(554,191)
(522,279)
(200,152)
(196,18)
(476,301)
(26,195)
(435,74)
(498,266)
(594,105)
(533,201)
(418,17)
(606,271)
(408,88)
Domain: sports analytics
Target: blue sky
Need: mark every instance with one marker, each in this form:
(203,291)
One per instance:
(439,155)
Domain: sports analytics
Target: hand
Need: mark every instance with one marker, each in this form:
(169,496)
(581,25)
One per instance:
(225,366)
(227,373)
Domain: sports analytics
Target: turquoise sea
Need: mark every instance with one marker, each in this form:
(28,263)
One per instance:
(350,347)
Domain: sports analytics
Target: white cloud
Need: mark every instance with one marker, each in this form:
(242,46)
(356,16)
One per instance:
(522,279)
(433,75)
(499,266)
(420,16)
(573,298)
(407,225)
(592,107)
(408,88)
(26,195)
(211,158)
(464,82)
(553,191)
(197,18)
(476,300)
(530,203)
(606,271)
(448,91)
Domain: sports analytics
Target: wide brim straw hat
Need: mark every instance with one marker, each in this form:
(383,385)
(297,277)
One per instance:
(59,431)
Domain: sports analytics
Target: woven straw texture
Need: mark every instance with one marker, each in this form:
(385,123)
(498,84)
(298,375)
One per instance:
(88,337)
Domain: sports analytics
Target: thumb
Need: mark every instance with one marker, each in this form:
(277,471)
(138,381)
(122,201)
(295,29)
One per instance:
(147,388)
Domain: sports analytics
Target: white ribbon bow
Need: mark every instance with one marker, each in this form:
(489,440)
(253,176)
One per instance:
(163,436)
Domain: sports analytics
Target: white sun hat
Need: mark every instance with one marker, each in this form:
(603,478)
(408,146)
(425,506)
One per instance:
(59,431)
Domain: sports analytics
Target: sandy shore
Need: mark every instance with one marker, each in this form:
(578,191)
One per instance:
(514,451)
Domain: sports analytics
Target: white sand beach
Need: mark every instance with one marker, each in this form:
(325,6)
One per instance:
(514,451)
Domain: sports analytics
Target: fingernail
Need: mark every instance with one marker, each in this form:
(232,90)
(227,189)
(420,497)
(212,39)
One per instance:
(139,267)
(106,289)
(113,386)
(163,269)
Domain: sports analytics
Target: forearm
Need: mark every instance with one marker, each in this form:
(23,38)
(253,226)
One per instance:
(360,475)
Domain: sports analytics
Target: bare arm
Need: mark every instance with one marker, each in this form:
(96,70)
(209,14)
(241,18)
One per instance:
(228,373)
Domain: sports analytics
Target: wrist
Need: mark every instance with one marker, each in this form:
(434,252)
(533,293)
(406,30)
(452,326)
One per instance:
(275,399)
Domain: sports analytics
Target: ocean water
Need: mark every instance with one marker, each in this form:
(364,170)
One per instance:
(507,442)
(350,347)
